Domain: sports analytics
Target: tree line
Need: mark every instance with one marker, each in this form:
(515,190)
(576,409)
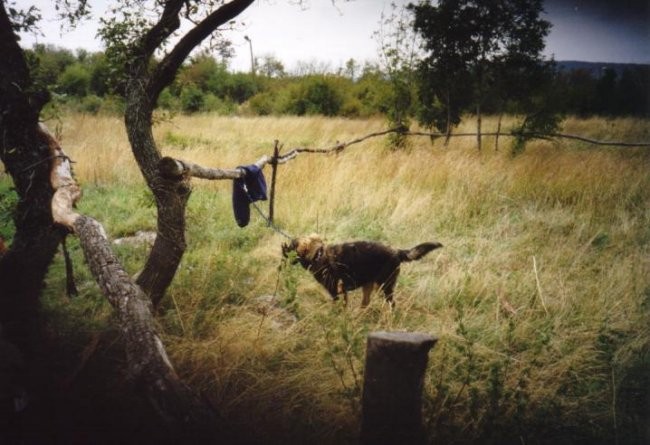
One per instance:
(85,81)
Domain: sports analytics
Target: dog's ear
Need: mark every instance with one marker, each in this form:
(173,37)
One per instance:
(309,245)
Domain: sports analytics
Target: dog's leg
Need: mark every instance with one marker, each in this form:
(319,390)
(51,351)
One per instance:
(367,290)
(389,287)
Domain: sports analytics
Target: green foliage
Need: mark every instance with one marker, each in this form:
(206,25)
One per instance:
(8,202)
(398,50)
(475,52)
(91,104)
(47,63)
(314,95)
(400,88)
(263,104)
(192,99)
(289,280)
(22,20)
(534,125)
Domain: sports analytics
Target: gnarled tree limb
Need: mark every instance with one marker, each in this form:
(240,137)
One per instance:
(148,364)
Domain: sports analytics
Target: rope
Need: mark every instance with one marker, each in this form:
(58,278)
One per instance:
(269,222)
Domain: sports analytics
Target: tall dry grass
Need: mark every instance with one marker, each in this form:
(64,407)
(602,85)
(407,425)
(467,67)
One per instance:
(539,297)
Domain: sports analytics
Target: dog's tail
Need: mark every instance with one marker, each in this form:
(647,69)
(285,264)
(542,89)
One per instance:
(417,252)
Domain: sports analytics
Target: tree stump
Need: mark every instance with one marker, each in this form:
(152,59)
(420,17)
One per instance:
(392,390)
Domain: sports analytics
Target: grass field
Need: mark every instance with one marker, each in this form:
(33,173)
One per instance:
(540,297)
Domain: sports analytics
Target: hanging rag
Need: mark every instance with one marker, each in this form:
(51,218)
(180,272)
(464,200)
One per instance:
(250,188)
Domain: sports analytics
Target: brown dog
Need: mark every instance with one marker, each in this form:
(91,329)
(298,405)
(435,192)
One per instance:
(344,267)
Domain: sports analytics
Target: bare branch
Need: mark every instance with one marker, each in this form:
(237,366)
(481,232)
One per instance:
(175,168)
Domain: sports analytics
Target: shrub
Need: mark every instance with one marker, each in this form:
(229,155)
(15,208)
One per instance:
(192,99)
(90,104)
(74,81)
(263,104)
(218,105)
(113,105)
(168,101)
(315,95)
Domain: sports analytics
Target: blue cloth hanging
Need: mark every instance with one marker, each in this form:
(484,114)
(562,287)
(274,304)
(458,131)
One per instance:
(250,188)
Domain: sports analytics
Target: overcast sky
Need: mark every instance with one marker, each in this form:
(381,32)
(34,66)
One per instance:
(586,30)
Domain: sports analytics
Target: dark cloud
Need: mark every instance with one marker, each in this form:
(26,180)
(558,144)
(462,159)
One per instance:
(600,30)
(632,12)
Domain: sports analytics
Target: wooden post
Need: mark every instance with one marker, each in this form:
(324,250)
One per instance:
(274,172)
(392,390)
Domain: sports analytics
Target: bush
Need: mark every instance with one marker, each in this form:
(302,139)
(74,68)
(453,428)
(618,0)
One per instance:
(314,95)
(112,105)
(263,104)
(168,101)
(90,104)
(192,99)
(240,87)
(218,105)
(74,81)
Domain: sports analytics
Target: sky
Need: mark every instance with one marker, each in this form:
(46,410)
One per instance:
(328,33)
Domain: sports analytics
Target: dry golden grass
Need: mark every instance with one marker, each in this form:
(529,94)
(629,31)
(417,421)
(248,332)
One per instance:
(537,297)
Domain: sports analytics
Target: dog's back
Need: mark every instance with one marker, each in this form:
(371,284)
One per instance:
(362,262)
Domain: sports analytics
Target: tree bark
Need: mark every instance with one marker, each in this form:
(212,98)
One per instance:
(26,158)
(148,365)
(143,88)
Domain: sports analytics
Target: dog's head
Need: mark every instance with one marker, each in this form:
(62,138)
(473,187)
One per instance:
(308,249)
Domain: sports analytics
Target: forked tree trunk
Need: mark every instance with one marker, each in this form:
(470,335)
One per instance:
(171,196)
(143,88)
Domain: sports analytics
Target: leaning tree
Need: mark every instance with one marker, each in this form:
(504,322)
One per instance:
(40,170)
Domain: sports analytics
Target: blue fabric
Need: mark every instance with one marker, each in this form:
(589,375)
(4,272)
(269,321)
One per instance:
(250,188)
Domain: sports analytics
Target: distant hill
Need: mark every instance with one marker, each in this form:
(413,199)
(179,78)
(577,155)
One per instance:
(597,68)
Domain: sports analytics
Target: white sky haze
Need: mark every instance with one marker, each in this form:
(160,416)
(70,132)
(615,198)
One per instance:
(331,34)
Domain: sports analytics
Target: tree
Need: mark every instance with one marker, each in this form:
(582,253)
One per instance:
(467,42)
(47,191)
(271,66)
(132,40)
(25,157)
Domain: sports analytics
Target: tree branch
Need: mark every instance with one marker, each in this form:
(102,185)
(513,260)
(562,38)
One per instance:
(148,364)
(168,23)
(166,71)
(175,168)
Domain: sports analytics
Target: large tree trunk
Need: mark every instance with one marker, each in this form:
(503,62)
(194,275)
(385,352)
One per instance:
(171,197)
(26,158)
